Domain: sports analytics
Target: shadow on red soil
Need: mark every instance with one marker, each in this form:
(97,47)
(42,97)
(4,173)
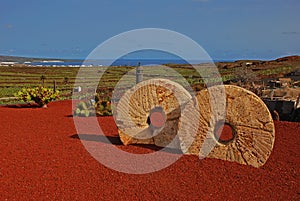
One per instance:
(42,159)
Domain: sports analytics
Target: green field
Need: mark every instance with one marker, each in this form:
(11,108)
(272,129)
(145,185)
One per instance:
(12,79)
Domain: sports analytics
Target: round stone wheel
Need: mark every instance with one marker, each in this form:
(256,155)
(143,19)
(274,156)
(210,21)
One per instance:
(246,135)
(149,113)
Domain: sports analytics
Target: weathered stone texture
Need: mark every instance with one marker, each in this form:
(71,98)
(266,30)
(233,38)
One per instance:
(245,113)
(135,106)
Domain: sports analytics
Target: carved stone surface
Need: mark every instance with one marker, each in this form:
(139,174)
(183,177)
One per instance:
(161,97)
(249,118)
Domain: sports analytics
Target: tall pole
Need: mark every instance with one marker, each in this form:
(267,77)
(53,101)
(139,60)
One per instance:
(54,85)
(139,73)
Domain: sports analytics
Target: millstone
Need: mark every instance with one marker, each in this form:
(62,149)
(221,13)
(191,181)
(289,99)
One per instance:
(149,113)
(248,127)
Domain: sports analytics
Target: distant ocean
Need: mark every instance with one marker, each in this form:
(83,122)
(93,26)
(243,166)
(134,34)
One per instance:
(119,62)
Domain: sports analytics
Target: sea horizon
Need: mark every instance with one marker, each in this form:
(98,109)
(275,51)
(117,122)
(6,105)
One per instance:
(48,61)
(120,62)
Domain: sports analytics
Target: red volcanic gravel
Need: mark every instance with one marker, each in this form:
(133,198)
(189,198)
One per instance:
(42,159)
(224,133)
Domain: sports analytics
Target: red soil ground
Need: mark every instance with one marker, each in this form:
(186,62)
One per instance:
(42,160)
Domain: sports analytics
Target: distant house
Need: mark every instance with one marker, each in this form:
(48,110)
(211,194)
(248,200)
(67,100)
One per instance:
(8,63)
(249,63)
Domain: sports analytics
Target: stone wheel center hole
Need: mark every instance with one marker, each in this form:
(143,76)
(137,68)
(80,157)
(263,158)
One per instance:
(157,117)
(224,133)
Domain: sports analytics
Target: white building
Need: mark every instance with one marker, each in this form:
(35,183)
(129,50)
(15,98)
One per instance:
(7,63)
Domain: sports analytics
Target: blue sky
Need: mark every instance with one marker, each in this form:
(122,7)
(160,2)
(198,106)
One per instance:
(231,29)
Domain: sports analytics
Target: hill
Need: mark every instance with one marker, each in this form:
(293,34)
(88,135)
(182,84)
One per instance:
(30,59)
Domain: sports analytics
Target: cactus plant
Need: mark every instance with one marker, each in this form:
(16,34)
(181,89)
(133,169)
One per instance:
(94,107)
(40,95)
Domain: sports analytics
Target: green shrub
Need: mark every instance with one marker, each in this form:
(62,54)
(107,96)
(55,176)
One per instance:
(103,108)
(103,105)
(40,95)
(98,107)
(84,109)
